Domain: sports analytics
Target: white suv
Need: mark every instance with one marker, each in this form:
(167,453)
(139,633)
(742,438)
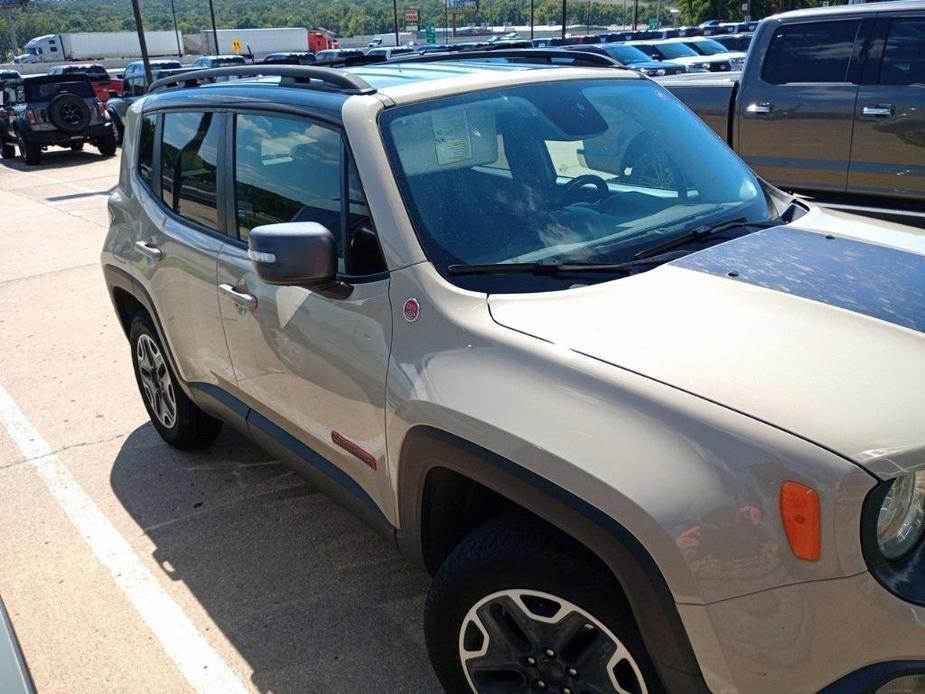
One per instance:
(653,426)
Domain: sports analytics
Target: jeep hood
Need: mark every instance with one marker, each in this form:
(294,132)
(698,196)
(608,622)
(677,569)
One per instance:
(817,328)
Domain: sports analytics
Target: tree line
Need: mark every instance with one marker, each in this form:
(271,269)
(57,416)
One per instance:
(349,17)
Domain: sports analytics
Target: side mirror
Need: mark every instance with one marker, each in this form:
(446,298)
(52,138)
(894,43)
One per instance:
(113,94)
(302,254)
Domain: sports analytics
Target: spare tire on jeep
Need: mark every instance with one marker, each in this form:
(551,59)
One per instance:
(70,113)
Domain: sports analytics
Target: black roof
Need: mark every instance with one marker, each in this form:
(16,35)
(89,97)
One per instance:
(54,79)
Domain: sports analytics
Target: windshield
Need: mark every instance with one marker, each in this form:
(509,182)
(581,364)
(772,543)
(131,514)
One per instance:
(49,90)
(708,46)
(675,50)
(627,54)
(569,171)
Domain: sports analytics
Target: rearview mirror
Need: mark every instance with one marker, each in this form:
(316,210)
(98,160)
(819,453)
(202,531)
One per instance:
(302,254)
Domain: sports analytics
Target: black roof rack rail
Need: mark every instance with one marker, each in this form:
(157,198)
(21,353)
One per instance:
(539,56)
(334,80)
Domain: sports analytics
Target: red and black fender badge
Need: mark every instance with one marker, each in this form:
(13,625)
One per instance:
(411,310)
(353,449)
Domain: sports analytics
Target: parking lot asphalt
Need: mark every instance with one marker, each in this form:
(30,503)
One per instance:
(127,566)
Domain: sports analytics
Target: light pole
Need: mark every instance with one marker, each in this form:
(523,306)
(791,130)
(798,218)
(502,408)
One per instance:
(142,44)
(176,31)
(395,14)
(214,30)
(563,17)
(588,30)
(532,2)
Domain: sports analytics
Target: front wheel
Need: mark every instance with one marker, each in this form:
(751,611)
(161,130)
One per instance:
(31,152)
(107,145)
(7,151)
(177,419)
(519,608)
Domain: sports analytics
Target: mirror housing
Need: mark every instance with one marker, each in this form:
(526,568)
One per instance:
(301,254)
(113,94)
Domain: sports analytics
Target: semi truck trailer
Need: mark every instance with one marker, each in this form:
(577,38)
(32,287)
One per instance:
(56,48)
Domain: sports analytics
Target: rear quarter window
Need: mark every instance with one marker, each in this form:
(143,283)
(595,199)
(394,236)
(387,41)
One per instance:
(148,128)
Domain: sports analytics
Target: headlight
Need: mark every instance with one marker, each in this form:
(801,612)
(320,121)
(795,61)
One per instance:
(901,522)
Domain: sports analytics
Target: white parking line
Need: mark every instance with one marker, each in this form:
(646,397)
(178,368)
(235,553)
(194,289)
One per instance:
(197,660)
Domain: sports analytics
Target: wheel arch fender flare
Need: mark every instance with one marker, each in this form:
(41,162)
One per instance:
(426,448)
(118,280)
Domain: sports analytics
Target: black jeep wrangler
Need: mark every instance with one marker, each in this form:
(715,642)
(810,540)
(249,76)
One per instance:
(61,110)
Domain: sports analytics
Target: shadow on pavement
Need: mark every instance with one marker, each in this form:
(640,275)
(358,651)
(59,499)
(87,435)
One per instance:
(312,599)
(56,158)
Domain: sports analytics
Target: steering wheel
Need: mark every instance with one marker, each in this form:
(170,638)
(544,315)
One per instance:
(580,182)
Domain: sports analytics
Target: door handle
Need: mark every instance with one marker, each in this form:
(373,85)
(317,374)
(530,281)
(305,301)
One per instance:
(878,111)
(146,249)
(760,108)
(240,298)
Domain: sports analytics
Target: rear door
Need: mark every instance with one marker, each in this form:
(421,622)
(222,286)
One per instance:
(888,149)
(795,116)
(177,241)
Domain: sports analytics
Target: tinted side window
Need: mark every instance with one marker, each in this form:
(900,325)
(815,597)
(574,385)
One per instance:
(287,170)
(146,148)
(904,55)
(814,52)
(189,161)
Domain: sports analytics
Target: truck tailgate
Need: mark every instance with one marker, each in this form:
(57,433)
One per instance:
(711,99)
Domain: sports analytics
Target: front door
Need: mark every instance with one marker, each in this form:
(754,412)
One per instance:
(313,364)
(795,118)
(888,152)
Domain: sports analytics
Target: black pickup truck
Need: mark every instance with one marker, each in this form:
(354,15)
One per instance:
(831,102)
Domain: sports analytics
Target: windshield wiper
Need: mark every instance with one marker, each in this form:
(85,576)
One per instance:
(702,232)
(547,267)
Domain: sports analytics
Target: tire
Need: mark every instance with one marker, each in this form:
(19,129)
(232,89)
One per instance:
(118,130)
(77,147)
(107,145)
(7,151)
(69,113)
(31,152)
(183,425)
(518,571)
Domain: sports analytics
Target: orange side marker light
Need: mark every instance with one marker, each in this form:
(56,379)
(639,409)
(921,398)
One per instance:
(799,509)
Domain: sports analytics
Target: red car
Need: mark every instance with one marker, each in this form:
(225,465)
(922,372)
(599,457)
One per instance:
(102,81)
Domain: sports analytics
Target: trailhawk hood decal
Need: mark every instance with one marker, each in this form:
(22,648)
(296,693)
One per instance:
(820,336)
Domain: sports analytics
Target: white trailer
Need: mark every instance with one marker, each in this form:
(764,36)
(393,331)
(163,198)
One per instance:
(257,42)
(55,48)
